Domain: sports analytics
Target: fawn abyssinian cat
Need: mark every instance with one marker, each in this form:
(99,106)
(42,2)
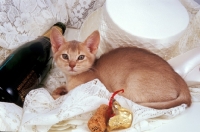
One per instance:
(146,78)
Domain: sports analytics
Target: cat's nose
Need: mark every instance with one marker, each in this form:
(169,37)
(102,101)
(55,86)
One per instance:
(72,65)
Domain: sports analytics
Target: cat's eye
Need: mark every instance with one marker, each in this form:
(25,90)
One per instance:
(81,57)
(65,56)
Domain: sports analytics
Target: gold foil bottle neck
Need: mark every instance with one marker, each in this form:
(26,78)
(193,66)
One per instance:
(48,32)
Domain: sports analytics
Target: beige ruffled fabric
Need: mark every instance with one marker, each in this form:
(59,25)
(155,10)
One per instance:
(72,111)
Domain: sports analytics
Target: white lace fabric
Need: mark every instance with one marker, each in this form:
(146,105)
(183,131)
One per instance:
(42,112)
(71,112)
(79,9)
(24,21)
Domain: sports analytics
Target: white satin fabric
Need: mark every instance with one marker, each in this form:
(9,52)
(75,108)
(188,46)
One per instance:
(188,66)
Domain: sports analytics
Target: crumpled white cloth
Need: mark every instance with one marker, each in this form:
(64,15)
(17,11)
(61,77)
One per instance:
(10,116)
(72,111)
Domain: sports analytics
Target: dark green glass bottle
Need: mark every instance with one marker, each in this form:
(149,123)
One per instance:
(26,67)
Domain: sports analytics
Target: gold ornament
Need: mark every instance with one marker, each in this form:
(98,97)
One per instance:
(122,117)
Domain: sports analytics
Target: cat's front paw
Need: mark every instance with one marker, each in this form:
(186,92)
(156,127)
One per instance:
(59,92)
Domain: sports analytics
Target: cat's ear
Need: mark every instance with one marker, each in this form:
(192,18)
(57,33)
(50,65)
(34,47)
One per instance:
(92,42)
(56,39)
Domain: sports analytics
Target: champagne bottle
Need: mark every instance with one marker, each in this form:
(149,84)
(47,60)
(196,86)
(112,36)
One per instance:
(26,67)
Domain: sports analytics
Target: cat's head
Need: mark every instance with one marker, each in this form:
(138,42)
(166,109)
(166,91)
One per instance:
(74,57)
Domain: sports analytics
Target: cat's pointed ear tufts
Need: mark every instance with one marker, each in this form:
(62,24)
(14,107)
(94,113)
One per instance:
(56,39)
(92,42)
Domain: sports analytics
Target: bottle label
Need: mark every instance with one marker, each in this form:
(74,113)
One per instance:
(29,83)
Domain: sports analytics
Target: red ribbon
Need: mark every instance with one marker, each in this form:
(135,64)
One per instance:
(110,111)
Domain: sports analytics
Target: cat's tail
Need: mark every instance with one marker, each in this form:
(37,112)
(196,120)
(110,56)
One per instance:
(183,98)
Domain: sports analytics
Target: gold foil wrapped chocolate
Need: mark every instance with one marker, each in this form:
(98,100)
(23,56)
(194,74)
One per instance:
(122,117)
